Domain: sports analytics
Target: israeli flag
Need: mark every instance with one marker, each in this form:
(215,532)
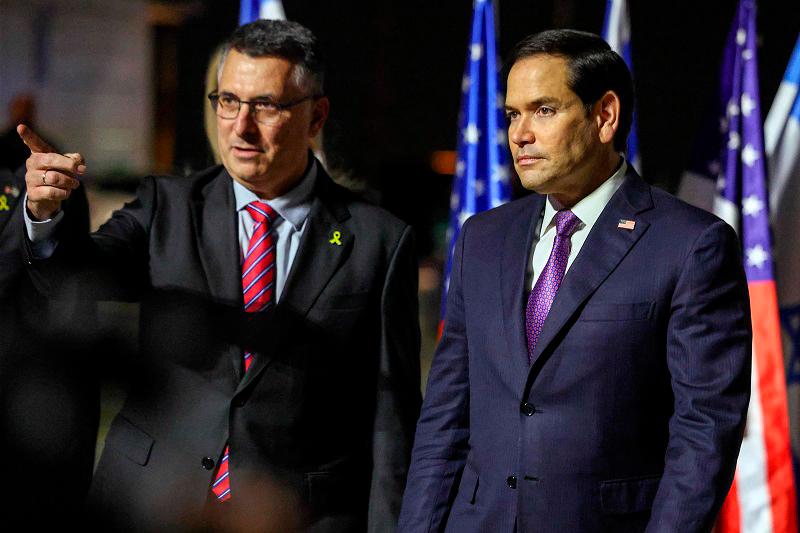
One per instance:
(252,10)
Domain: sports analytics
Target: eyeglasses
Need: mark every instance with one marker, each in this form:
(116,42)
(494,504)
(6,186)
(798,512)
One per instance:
(267,112)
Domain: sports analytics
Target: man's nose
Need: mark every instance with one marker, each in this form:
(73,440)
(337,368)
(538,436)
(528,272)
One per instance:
(245,121)
(521,133)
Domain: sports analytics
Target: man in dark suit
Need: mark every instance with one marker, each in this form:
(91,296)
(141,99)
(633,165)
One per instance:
(300,414)
(594,370)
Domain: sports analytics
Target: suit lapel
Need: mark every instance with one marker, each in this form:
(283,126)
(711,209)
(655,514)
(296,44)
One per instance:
(216,228)
(326,242)
(602,251)
(514,268)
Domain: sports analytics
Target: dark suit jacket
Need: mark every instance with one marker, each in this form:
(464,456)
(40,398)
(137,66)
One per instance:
(49,398)
(630,417)
(326,413)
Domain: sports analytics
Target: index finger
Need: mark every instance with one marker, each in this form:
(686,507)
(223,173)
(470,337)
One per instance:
(35,143)
(78,158)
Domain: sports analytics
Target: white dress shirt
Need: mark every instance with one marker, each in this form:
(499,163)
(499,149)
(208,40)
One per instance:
(587,210)
(288,228)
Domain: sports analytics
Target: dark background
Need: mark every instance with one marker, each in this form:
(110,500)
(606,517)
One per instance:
(395,69)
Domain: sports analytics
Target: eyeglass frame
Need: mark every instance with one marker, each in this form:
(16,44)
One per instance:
(213,98)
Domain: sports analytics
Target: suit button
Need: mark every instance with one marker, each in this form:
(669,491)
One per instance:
(527,409)
(207,462)
(511,481)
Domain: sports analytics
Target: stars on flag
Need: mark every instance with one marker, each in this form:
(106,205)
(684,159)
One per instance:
(741,36)
(500,173)
(747,54)
(752,205)
(472,134)
(481,143)
(757,256)
(733,109)
(748,104)
(750,155)
(734,140)
(476,52)
(454,200)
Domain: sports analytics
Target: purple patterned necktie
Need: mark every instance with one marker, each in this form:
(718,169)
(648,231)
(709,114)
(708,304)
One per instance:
(544,292)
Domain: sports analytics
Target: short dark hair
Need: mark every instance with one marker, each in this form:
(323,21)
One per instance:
(594,68)
(285,39)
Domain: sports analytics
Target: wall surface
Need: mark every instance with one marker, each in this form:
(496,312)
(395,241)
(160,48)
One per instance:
(88,63)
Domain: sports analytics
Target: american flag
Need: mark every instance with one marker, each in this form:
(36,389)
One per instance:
(617,33)
(252,10)
(782,139)
(482,175)
(762,499)
(626,224)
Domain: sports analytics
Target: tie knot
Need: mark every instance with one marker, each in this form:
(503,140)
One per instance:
(261,212)
(566,223)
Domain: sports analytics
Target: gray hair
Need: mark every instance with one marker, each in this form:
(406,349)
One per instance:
(284,39)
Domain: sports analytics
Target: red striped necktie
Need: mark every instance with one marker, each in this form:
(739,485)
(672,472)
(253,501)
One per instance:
(258,291)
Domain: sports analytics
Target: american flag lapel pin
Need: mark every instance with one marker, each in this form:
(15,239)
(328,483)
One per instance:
(626,224)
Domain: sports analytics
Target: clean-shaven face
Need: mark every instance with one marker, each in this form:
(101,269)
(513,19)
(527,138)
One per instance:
(552,139)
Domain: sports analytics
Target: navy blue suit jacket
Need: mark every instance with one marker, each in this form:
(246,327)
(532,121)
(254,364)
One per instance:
(631,415)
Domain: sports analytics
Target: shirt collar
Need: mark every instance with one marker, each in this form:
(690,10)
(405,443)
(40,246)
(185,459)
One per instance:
(292,206)
(588,209)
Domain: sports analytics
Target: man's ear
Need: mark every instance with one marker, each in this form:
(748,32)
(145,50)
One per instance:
(319,114)
(607,116)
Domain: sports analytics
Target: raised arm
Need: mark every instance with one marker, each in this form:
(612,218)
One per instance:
(50,178)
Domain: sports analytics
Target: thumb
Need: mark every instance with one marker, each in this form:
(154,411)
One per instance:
(32,140)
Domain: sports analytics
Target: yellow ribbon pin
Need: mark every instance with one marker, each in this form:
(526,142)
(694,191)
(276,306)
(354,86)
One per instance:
(3,203)
(335,239)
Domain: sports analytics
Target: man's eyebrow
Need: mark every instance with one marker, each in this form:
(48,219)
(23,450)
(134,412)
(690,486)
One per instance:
(267,97)
(533,104)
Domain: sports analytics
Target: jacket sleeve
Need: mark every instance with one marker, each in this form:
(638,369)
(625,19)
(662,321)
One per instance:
(110,264)
(441,443)
(398,387)
(709,344)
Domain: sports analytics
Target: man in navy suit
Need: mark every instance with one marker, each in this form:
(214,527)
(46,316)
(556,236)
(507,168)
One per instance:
(594,369)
